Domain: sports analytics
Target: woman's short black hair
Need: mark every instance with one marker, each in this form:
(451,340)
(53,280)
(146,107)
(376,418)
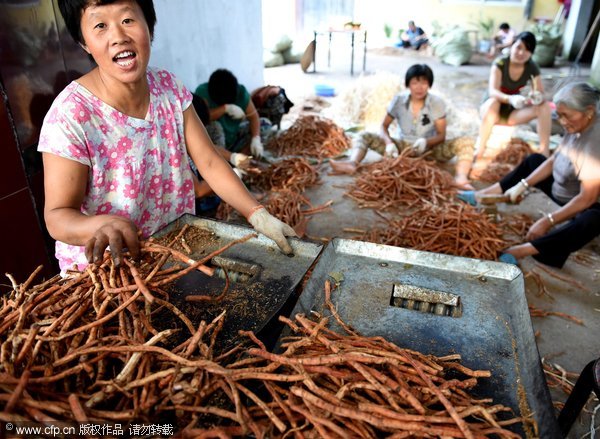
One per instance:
(528,39)
(72,10)
(419,71)
(201,108)
(222,87)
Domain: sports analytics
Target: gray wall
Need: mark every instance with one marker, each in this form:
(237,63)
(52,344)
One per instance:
(576,27)
(579,21)
(192,38)
(595,72)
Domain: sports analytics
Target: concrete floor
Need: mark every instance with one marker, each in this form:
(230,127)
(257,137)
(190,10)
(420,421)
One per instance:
(561,342)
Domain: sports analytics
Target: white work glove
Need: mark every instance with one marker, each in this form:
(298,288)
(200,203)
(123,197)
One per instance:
(238,159)
(256,147)
(265,223)
(239,172)
(536,97)
(516,191)
(420,145)
(517,101)
(391,150)
(234,111)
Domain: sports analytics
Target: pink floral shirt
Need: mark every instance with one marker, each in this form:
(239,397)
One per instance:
(138,167)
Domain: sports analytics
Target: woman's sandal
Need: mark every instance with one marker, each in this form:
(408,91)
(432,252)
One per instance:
(507,258)
(468,197)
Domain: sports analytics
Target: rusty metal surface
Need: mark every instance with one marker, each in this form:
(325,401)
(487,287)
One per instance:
(256,268)
(492,332)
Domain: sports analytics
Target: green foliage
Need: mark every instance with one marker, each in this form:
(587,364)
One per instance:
(387,29)
(486,27)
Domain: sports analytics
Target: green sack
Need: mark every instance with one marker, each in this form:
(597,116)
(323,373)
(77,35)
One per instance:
(453,47)
(283,44)
(272,59)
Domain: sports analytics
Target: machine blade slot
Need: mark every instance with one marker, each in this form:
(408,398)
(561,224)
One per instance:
(426,300)
(237,271)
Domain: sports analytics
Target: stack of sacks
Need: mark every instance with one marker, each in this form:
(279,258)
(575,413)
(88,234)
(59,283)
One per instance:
(453,47)
(281,53)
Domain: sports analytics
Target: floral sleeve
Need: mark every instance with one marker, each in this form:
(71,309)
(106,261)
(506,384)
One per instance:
(62,133)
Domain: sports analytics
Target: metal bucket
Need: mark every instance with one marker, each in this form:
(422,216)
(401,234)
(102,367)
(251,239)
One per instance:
(439,304)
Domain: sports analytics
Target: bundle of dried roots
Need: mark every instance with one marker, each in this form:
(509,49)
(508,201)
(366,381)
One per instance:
(453,229)
(311,136)
(295,173)
(405,180)
(515,151)
(85,349)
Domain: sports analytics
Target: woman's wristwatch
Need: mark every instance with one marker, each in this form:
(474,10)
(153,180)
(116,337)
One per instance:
(551,219)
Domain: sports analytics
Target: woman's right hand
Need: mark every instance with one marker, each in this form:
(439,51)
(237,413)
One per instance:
(515,192)
(391,150)
(517,101)
(118,233)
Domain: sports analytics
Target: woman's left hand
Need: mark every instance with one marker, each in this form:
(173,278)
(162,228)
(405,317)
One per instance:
(536,97)
(538,229)
(273,228)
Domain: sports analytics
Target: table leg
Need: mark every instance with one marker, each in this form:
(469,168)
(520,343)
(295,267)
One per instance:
(352,54)
(329,52)
(314,60)
(365,53)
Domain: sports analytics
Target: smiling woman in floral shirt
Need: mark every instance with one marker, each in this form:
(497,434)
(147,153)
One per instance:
(115,143)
